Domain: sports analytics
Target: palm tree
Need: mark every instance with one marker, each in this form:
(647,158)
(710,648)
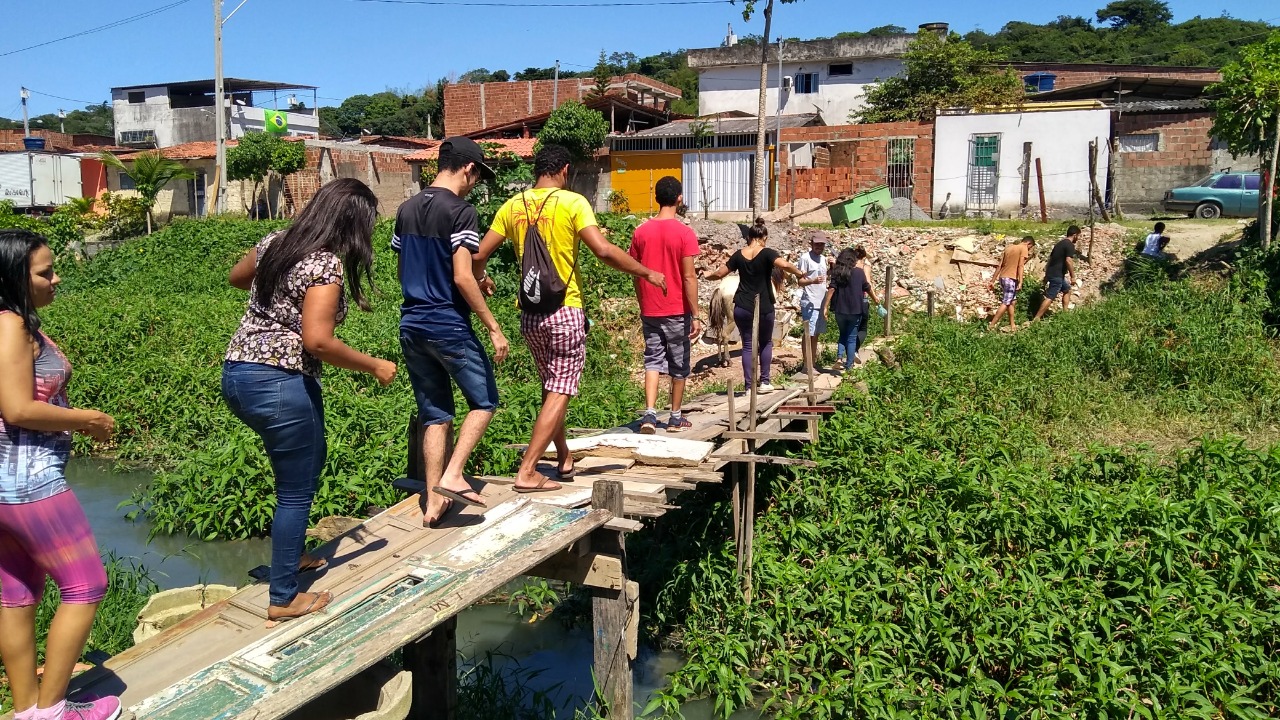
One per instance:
(150,172)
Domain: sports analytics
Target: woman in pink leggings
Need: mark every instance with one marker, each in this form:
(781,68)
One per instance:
(43,529)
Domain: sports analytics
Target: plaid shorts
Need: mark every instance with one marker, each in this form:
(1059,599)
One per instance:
(559,345)
(1008,290)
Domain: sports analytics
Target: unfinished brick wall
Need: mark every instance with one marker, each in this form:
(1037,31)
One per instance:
(386,173)
(11,140)
(849,158)
(1075,74)
(1186,154)
(474,106)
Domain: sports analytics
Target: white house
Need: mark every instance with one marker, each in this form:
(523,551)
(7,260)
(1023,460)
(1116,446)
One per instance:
(985,162)
(165,115)
(829,77)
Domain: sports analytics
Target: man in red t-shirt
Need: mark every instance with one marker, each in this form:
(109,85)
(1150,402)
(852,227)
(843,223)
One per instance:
(666,245)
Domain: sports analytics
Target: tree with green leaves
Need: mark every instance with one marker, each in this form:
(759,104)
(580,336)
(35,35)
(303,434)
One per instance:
(941,73)
(577,128)
(759,200)
(150,172)
(262,156)
(602,75)
(1247,115)
(1136,13)
(703,137)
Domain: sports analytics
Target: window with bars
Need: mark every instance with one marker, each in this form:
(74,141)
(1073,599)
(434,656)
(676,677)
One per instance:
(137,137)
(1140,142)
(806,83)
(900,169)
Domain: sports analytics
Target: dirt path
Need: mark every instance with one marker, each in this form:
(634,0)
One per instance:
(1188,238)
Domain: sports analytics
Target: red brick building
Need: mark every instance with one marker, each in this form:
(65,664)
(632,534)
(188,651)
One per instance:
(827,162)
(471,107)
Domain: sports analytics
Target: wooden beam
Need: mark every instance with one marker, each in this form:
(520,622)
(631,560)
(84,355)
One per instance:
(433,660)
(611,615)
(794,417)
(805,409)
(763,436)
(593,569)
(625,525)
(769,459)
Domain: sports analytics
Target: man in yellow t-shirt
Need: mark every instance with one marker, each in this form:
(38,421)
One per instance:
(557,340)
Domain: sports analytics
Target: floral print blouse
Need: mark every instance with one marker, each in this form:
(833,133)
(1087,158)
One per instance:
(273,335)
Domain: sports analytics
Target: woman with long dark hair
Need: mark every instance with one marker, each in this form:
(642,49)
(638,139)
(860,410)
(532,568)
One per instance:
(43,529)
(271,376)
(755,264)
(846,298)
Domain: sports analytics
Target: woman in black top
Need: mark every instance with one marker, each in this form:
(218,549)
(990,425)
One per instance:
(754,265)
(845,298)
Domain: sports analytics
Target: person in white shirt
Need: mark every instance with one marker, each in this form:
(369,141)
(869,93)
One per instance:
(1154,245)
(813,287)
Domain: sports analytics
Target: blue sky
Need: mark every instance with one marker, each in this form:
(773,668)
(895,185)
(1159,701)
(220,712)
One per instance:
(348,47)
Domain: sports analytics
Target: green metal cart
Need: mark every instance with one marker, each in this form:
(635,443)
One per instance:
(867,206)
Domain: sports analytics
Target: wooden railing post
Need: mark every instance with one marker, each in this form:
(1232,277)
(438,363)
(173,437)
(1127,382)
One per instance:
(888,301)
(614,613)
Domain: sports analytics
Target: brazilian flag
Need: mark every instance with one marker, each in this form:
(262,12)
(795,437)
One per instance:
(276,121)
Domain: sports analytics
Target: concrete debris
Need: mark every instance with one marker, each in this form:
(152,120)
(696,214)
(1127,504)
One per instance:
(953,262)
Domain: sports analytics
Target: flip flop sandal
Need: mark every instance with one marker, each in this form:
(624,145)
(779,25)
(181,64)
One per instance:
(460,496)
(315,564)
(540,487)
(326,596)
(565,475)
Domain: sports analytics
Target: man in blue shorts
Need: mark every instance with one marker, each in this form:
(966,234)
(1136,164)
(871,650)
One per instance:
(1059,272)
(436,234)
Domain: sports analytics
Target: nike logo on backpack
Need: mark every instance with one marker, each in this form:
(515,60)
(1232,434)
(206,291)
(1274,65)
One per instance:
(532,286)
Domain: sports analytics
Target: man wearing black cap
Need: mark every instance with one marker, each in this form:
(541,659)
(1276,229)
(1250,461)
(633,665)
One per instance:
(436,234)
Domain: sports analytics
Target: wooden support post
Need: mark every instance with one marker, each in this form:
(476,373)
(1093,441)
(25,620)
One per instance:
(1114,148)
(888,301)
(612,612)
(1044,214)
(1093,183)
(433,660)
(807,348)
(749,521)
(931,298)
(729,401)
(1025,170)
(753,368)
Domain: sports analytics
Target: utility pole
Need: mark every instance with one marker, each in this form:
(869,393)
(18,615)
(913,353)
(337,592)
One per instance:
(26,125)
(219,112)
(758,198)
(62,121)
(777,140)
(555,91)
(1264,227)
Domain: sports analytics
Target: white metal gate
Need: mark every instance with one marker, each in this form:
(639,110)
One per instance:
(726,183)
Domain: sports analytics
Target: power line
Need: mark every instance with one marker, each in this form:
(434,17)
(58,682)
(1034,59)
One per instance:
(100,28)
(623,3)
(74,100)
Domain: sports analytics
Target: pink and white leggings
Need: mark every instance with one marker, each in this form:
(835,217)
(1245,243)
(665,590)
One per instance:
(49,537)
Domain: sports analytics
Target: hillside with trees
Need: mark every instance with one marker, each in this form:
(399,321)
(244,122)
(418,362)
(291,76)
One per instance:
(1139,32)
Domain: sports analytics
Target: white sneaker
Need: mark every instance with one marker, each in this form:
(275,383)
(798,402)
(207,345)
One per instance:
(764,388)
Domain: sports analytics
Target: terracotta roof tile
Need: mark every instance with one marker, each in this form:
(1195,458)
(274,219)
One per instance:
(522,147)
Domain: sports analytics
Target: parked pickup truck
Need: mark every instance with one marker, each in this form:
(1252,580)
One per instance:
(1234,194)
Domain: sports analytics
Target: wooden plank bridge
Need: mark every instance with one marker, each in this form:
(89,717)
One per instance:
(399,586)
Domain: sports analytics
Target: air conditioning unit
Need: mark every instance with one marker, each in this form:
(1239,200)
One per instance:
(786,82)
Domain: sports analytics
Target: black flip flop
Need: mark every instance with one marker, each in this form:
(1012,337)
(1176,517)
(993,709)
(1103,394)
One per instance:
(567,475)
(459,497)
(540,487)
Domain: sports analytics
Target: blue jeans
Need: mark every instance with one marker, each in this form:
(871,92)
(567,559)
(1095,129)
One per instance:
(432,363)
(848,342)
(285,409)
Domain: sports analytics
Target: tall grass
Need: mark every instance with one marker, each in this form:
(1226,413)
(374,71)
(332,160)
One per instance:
(146,326)
(953,555)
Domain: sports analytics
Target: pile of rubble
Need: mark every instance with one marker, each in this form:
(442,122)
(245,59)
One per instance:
(955,263)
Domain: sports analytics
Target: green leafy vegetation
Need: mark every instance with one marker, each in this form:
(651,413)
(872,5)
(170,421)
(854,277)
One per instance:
(150,172)
(941,73)
(146,326)
(962,550)
(1138,32)
(575,127)
(260,156)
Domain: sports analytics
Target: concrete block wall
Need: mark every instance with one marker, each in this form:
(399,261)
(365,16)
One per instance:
(385,171)
(1186,154)
(849,158)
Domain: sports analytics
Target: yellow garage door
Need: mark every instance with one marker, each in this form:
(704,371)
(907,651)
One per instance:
(635,173)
